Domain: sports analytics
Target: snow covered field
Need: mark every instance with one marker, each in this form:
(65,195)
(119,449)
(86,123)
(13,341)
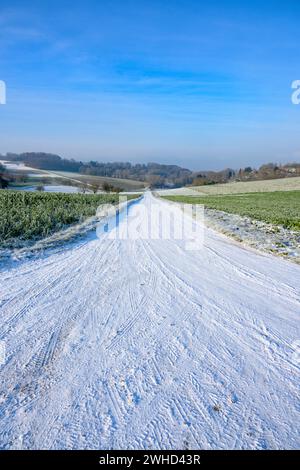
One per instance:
(143,344)
(59,188)
(184,191)
(18,166)
(238,187)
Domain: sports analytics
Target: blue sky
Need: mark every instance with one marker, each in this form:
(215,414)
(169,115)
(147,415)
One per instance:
(196,83)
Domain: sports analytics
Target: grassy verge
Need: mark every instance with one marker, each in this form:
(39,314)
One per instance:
(278,208)
(31,215)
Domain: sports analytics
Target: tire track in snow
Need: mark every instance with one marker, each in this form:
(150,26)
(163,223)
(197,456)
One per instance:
(195,329)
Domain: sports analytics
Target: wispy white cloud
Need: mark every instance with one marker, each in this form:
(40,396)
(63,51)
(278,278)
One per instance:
(17,25)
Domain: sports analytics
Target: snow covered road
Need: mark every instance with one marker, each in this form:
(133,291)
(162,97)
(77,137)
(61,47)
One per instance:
(143,344)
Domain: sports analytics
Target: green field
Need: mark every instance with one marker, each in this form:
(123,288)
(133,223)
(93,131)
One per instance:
(278,208)
(33,215)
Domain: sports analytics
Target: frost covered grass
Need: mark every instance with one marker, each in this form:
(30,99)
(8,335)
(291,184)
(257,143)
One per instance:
(238,187)
(278,208)
(32,215)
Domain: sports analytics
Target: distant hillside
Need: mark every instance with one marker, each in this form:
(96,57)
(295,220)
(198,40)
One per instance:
(155,175)
(44,161)
(265,172)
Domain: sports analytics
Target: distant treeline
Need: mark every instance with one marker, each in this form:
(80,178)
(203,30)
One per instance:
(155,174)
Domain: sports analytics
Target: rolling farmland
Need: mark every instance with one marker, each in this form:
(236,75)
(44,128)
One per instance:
(282,184)
(278,208)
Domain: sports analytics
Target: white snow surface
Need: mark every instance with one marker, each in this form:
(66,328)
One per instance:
(140,344)
(61,188)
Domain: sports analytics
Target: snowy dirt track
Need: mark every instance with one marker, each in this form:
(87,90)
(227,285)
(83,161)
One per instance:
(142,344)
